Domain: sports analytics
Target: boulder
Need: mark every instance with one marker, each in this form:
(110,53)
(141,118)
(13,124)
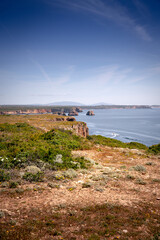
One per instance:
(73,113)
(90,113)
(78,109)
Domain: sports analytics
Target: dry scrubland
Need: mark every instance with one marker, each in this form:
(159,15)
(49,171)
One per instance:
(56,185)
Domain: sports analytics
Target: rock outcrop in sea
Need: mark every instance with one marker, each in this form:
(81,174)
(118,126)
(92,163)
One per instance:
(90,113)
(73,113)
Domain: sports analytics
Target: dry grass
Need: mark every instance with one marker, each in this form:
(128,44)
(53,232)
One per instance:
(124,209)
(48,121)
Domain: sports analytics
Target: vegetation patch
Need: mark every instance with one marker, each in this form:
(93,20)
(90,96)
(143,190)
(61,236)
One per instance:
(92,222)
(22,145)
(139,168)
(37,177)
(98,139)
(4,176)
(154,149)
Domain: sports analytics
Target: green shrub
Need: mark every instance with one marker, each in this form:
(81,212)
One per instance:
(38,177)
(156,180)
(154,149)
(4,176)
(98,139)
(150,163)
(136,145)
(21,145)
(140,181)
(13,184)
(130,177)
(139,168)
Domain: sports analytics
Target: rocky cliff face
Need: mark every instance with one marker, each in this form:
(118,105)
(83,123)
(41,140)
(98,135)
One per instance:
(80,129)
(28,111)
(46,122)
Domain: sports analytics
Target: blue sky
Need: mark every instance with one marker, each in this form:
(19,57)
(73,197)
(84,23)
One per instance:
(80,50)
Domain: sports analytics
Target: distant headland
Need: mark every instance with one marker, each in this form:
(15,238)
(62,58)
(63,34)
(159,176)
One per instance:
(63,110)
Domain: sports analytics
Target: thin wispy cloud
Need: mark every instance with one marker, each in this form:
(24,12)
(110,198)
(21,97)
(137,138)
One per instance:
(110,10)
(38,66)
(63,78)
(114,75)
(41,69)
(136,79)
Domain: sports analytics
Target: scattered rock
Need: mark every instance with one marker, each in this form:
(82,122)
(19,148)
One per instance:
(108,170)
(109,157)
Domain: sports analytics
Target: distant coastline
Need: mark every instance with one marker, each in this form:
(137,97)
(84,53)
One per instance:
(53,109)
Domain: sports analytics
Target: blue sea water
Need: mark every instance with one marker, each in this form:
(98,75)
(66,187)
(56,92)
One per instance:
(127,125)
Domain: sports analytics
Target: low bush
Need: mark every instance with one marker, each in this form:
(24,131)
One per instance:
(154,149)
(139,168)
(22,145)
(38,177)
(13,184)
(4,176)
(98,139)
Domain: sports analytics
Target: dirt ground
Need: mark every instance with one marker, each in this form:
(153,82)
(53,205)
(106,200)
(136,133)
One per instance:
(117,198)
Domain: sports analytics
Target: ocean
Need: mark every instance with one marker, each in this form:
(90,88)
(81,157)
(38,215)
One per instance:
(127,125)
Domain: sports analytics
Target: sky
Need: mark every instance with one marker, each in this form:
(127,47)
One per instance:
(85,51)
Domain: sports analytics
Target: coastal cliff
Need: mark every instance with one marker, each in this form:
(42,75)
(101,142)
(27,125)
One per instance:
(79,129)
(28,111)
(46,122)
